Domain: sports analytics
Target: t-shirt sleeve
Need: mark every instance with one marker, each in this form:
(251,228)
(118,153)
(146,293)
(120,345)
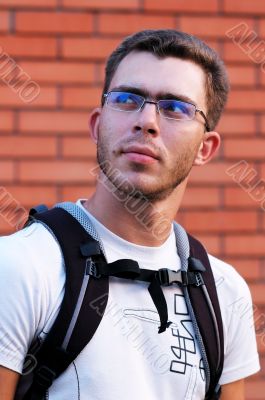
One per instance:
(20,296)
(240,348)
(26,293)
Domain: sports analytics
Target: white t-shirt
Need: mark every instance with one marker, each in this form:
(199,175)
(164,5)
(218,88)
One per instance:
(126,358)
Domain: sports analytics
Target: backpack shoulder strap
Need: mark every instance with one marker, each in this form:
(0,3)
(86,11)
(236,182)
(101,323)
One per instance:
(83,304)
(206,307)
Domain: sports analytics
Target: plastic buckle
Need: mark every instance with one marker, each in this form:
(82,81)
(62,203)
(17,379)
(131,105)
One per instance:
(167,276)
(91,268)
(45,376)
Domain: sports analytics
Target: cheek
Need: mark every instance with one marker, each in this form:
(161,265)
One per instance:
(115,131)
(174,143)
(181,145)
(110,125)
(108,135)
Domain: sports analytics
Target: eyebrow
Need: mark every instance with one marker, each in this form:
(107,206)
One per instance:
(159,96)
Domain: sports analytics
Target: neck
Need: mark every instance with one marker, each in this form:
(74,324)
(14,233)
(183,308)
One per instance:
(136,220)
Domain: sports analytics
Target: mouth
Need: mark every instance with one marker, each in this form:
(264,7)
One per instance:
(143,155)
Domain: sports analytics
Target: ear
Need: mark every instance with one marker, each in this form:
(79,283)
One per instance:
(208,148)
(93,124)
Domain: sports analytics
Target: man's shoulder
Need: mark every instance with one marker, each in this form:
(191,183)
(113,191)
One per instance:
(229,282)
(222,268)
(24,250)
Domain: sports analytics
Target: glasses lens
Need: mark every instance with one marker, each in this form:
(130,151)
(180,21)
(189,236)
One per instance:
(124,101)
(175,109)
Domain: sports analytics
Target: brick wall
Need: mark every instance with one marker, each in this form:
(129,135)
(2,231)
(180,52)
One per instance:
(60,46)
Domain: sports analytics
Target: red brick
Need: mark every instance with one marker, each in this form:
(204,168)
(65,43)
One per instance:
(101,73)
(212,173)
(103,4)
(17,146)
(200,198)
(49,22)
(88,48)
(244,6)
(237,124)
(213,43)
(59,72)
(263,125)
(29,196)
(211,242)
(238,197)
(262,363)
(257,291)
(7,171)
(244,245)
(125,24)
(262,73)
(55,172)
(53,122)
(79,148)
(244,149)
(225,221)
(248,268)
(28,46)
(246,100)
(4,21)
(211,27)
(260,336)
(72,193)
(76,97)
(263,171)
(242,76)
(234,53)
(13,214)
(41,97)
(181,5)
(263,222)
(261,25)
(6,121)
(5,227)
(28,3)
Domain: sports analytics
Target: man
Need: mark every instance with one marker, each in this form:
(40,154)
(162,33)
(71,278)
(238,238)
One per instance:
(164,93)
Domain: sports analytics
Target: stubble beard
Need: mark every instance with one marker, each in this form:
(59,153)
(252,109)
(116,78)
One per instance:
(172,178)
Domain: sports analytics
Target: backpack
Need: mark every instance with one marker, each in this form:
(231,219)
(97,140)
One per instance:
(87,279)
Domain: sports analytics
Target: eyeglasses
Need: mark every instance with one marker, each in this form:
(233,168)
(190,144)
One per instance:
(170,109)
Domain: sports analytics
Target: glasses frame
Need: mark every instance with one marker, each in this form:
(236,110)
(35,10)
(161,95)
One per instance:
(197,110)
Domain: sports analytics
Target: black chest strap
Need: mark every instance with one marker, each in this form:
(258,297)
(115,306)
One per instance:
(129,269)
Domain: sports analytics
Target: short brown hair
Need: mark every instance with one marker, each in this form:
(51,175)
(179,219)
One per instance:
(169,42)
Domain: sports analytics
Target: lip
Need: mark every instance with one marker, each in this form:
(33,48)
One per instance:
(145,151)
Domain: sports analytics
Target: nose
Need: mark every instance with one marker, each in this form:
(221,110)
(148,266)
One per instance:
(147,120)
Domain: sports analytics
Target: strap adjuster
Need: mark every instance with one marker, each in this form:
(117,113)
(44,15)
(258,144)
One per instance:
(45,376)
(91,268)
(167,276)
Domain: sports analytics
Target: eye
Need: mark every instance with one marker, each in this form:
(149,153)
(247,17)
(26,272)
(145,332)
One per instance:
(125,101)
(125,98)
(176,109)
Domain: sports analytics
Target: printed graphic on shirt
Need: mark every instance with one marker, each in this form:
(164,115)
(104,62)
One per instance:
(183,348)
(184,345)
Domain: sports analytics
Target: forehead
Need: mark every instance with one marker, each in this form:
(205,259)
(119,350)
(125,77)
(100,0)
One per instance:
(166,75)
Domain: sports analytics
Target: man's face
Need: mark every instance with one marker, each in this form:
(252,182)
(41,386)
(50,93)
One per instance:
(170,146)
